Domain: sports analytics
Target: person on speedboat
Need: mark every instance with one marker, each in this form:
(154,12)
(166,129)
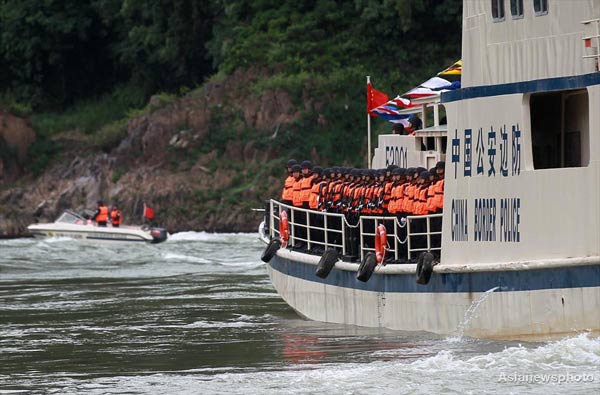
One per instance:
(101,215)
(115,216)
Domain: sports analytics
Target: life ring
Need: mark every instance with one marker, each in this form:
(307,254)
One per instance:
(270,251)
(326,263)
(284,228)
(366,268)
(380,243)
(424,267)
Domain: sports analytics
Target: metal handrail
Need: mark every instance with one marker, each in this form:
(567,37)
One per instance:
(341,227)
(391,233)
(592,37)
(428,233)
(295,225)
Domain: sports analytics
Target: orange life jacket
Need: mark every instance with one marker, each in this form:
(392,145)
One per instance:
(438,200)
(306,185)
(288,189)
(421,202)
(430,206)
(297,193)
(313,200)
(409,194)
(102,215)
(387,195)
(115,216)
(323,194)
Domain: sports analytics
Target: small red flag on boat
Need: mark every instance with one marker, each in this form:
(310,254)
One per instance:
(375,98)
(148,212)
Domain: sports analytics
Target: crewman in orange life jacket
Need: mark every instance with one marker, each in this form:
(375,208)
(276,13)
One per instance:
(287,193)
(115,216)
(101,215)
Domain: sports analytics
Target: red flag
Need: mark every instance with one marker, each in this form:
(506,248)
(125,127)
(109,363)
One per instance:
(375,98)
(148,212)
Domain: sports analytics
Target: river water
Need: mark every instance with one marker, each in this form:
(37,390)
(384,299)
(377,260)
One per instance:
(198,315)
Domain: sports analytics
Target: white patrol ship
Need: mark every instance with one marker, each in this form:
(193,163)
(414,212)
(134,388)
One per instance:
(520,249)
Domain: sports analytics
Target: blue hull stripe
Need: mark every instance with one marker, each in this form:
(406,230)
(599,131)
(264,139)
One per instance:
(508,281)
(545,85)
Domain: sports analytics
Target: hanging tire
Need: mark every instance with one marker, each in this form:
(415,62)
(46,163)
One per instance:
(366,268)
(270,251)
(326,263)
(424,268)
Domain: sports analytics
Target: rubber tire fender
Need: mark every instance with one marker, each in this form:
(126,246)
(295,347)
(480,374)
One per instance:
(270,250)
(366,268)
(424,268)
(326,263)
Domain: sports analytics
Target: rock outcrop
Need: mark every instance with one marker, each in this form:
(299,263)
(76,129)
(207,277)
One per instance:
(16,136)
(197,171)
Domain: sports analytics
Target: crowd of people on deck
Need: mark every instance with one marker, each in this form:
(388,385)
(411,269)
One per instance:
(391,191)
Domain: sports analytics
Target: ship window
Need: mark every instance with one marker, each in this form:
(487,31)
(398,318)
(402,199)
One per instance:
(540,7)
(560,129)
(516,8)
(498,10)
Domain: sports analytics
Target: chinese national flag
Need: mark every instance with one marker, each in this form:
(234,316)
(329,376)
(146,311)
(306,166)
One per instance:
(148,212)
(375,98)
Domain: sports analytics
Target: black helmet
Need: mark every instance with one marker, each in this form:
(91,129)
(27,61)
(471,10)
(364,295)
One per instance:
(317,170)
(424,174)
(440,165)
(296,167)
(306,164)
(291,162)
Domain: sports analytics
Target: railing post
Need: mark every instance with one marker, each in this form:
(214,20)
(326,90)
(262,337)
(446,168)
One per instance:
(428,233)
(408,237)
(360,222)
(293,226)
(343,235)
(271,219)
(396,246)
(307,229)
(326,230)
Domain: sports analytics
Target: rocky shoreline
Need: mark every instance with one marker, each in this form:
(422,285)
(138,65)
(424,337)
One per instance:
(164,161)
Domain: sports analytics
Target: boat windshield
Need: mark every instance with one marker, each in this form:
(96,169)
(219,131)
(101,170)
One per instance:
(70,217)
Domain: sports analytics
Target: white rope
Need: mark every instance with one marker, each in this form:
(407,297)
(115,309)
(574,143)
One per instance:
(351,226)
(400,241)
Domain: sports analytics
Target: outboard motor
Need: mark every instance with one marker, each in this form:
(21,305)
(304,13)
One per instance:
(158,235)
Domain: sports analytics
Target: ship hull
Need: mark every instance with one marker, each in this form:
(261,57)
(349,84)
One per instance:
(539,302)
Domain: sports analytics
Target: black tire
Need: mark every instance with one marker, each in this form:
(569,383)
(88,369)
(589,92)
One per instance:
(424,268)
(270,251)
(366,268)
(326,263)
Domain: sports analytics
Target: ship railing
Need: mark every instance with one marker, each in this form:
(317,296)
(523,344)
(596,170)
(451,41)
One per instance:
(317,229)
(421,230)
(593,27)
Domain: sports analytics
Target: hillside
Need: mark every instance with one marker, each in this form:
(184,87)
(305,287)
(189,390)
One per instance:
(204,157)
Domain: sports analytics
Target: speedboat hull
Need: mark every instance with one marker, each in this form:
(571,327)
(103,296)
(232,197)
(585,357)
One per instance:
(89,232)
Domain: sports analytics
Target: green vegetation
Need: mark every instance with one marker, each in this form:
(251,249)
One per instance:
(91,66)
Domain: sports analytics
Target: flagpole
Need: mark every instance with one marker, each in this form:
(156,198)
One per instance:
(368,130)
